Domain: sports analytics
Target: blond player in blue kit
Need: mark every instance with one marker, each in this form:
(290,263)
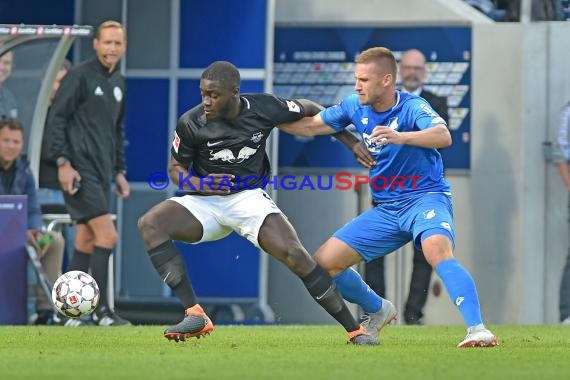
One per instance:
(402,132)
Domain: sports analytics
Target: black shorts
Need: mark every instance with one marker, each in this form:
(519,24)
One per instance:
(91,200)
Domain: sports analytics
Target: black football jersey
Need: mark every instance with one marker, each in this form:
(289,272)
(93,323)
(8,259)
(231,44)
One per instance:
(233,146)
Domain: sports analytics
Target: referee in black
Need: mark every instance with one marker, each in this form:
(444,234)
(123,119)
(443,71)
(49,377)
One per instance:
(86,133)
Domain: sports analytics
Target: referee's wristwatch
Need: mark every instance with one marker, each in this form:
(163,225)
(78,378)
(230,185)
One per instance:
(61,161)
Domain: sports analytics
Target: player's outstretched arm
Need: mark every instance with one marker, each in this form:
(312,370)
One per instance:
(307,126)
(434,137)
(310,108)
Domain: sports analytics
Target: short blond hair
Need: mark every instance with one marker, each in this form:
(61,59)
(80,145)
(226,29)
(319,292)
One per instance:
(110,24)
(381,55)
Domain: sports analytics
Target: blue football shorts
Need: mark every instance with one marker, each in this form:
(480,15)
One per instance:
(390,225)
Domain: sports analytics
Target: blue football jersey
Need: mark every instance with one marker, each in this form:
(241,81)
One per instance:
(401,171)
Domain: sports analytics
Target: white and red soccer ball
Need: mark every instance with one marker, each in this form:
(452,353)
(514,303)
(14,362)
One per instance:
(75,294)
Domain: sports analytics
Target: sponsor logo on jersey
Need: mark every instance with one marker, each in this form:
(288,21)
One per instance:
(209,144)
(227,155)
(293,107)
(176,142)
(98,91)
(372,146)
(245,153)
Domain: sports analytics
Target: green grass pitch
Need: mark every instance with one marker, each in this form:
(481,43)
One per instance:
(280,352)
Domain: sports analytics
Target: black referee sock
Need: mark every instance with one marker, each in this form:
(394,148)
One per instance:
(171,268)
(100,272)
(321,286)
(79,261)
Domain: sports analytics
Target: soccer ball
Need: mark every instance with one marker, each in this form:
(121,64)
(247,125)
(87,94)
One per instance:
(75,294)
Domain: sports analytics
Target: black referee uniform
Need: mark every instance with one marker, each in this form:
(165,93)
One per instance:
(85,126)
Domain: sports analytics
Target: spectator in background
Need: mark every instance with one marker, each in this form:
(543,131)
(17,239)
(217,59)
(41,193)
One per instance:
(85,125)
(561,158)
(412,75)
(17,179)
(541,10)
(8,104)
(547,10)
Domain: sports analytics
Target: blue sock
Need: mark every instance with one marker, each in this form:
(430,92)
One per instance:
(355,290)
(461,289)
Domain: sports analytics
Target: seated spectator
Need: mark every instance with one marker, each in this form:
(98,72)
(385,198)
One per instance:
(16,179)
(8,105)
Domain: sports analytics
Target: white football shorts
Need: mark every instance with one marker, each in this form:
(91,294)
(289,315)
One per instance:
(243,212)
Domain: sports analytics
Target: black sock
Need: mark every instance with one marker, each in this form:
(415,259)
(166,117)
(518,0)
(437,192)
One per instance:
(100,272)
(79,261)
(321,286)
(171,268)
